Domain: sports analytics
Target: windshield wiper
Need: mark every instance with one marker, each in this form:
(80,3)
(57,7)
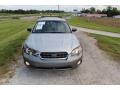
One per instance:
(55,32)
(49,32)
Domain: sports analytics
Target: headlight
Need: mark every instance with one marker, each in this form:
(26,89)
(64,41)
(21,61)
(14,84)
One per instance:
(76,51)
(30,51)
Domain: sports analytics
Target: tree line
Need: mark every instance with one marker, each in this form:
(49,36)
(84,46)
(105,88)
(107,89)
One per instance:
(110,11)
(21,11)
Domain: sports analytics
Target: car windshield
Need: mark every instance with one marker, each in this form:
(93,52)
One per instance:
(51,27)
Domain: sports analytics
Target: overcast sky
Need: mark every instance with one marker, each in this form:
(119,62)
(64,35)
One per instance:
(52,7)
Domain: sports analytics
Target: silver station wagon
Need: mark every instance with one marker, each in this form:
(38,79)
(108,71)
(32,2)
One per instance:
(52,45)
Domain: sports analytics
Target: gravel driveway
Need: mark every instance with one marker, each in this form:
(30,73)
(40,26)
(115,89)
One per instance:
(111,34)
(97,68)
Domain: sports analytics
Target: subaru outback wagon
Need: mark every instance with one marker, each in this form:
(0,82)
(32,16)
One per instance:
(52,44)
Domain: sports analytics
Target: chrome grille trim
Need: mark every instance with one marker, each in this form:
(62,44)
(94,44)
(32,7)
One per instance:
(53,55)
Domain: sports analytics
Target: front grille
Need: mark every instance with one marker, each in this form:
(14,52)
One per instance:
(54,54)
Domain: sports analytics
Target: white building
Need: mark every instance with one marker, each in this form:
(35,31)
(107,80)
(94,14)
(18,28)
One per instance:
(94,15)
(76,12)
(116,16)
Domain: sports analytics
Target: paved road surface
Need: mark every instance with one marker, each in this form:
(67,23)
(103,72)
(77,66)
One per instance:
(97,68)
(97,32)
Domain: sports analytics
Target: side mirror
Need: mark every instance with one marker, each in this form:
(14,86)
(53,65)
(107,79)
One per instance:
(29,29)
(74,29)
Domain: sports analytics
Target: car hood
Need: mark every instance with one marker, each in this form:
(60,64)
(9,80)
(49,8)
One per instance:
(51,42)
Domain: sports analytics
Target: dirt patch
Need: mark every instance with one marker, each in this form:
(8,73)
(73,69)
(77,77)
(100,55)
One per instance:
(105,21)
(7,72)
(30,18)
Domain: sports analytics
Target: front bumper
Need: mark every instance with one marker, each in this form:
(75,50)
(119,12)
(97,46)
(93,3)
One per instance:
(52,63)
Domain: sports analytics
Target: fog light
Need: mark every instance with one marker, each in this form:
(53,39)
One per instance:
(27,63)
(78,62)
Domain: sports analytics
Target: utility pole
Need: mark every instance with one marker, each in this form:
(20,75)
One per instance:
(58,10)
(58,7)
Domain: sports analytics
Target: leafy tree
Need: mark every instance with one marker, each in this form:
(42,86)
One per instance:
(110,11)
(85,10)
(92,10)
(21,11)
(98,11)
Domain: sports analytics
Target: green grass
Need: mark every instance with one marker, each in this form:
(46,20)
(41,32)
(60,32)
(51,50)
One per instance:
(109,44)
(12,34)
(82,22)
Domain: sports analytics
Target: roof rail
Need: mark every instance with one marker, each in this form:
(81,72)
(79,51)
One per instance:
(51,16)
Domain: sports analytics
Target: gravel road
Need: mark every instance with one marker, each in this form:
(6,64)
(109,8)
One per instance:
(111,34)
(97,68)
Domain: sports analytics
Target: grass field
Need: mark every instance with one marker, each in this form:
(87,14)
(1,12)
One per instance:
(12,34)
(109,44)
(109,25)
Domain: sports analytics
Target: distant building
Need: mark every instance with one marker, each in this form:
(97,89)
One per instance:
(94,15)
(116,16)
(76,12)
